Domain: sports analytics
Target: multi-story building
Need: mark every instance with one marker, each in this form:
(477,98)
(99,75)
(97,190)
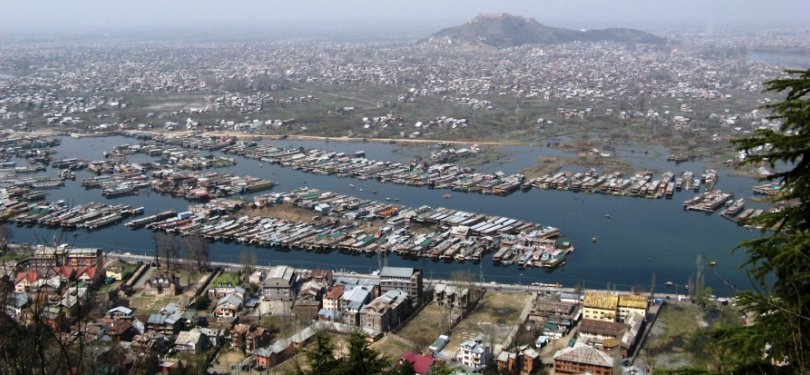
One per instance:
(406,279)
(385,312)
(474,353)
(600,306)
(632,304)
(279,284)
(583,359)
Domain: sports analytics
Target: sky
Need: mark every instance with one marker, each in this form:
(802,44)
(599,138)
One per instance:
(382,17)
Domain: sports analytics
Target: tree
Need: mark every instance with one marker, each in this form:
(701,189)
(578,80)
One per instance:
(362,359)
(196,248)
(404,368)
(779,261)
(321,357)
(166,247)
(441,368)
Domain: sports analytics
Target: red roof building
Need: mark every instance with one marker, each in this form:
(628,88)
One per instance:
(421,363)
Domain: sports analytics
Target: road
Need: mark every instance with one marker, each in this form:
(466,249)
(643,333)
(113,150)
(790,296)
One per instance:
(546,289)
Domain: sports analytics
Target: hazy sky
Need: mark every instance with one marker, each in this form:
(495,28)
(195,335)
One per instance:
(312,17)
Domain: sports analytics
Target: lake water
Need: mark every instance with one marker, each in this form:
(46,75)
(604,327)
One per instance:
(781,59)
(641,237)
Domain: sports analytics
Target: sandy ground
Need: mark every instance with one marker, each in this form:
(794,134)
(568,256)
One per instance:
(492,319)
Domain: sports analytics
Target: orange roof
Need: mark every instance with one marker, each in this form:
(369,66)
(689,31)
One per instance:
(335,292)
(27,276)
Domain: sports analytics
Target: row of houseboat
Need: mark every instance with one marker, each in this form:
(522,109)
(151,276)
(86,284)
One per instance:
(354,225)
(642,183)
(417,173)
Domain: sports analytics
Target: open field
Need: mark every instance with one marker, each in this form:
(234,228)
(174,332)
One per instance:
(393,346)
(493,317)
(423,328)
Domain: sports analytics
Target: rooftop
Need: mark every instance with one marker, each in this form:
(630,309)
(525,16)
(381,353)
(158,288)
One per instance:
(605,301)
(399,272)
(585,355)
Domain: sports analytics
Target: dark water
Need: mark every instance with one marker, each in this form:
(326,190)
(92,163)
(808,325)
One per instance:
(781,59)
(642,237)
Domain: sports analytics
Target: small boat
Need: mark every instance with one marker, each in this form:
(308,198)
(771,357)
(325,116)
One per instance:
(446,196)
(669,283)
(712,263)
(593,239)
(607,216)
(360,190)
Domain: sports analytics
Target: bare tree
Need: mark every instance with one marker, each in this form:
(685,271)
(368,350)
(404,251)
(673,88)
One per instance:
(196,250)
(165,246)
(6,235)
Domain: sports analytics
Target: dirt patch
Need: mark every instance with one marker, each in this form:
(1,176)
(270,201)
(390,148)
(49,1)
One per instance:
(492,320)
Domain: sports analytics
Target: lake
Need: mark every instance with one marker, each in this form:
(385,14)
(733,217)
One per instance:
(642,237)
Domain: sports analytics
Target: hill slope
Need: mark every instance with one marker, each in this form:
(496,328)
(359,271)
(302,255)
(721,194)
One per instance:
(504,30)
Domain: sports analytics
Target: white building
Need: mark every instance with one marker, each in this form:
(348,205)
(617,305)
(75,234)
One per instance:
(474,353)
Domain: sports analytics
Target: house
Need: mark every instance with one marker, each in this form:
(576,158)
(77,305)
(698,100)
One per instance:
(474,354)
(168,321)
(115,270)
(600,306)
(308,302)
(507,362)
(632,304)
(121,330)
(249,337)
(228,306)
(25,281)
(222,291)
(525,360)
(352,301)
(406,279)
(331,299)
(600,329)
(385,312)
(583,358)
(120,313)
(212,335)
(163,284)
(323,277)
(281,350)
(190,341)
(279,284)
(421,363)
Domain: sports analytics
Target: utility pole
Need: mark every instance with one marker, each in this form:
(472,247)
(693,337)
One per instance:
(652,287)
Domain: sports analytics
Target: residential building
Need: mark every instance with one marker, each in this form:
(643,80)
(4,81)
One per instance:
(279,284)
(249,337)
(525,360)
(421,363)
(406,279)
(168,321)
(308,302)
(632,304)
(600,329)
(164,284)
(331,300)
(190,341)
(352,301)
(580,359)
(600,306)
(385,312)
(120,313)
(474,354)
(228,306)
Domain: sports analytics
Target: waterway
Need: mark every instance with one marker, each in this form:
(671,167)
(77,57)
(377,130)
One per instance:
(641,237)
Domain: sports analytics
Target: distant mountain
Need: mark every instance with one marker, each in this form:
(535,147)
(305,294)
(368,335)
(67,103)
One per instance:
(505,30)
